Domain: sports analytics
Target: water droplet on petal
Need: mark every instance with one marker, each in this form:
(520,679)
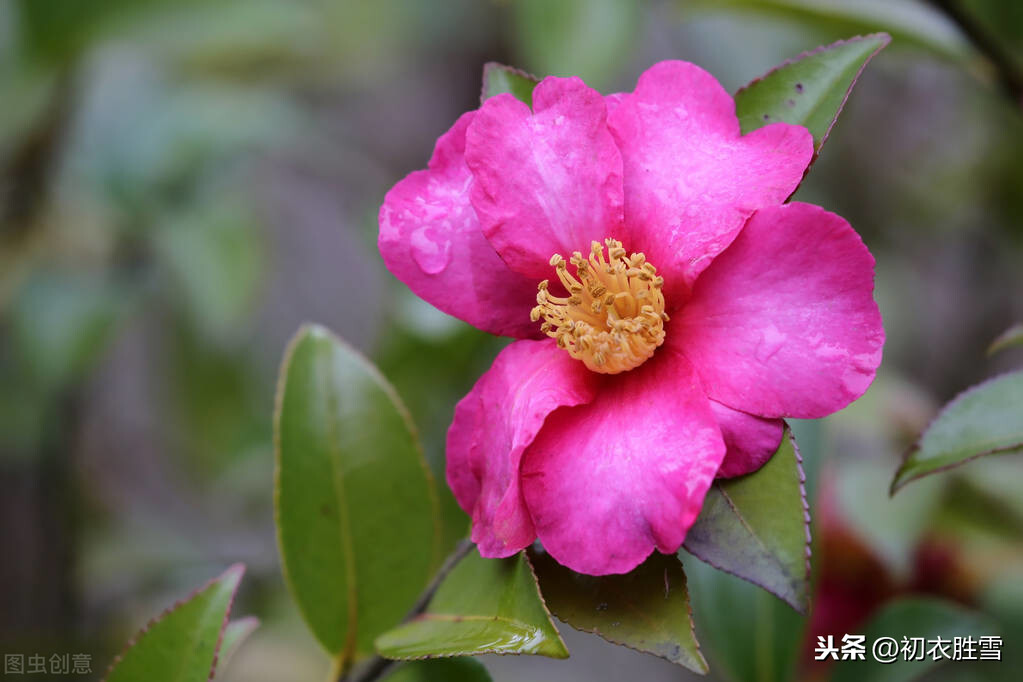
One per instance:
(430,249)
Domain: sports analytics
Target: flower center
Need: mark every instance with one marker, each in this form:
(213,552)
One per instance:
(613,318)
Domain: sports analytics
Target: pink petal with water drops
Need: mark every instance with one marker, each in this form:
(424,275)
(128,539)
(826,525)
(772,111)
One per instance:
(549,180)
(430,239)
(691,179)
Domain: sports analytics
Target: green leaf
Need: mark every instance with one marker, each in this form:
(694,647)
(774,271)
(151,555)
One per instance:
(235,634)
(911,617)
(181,645)
(356,509)
(809,90)
(591,39)
(891,527)
(747,634)
(498,79)
(447,669)
(757,527)
(983,420)
(485,606)
(909,23)
(61,324)
(646,609)
(214,255)
(1013,336)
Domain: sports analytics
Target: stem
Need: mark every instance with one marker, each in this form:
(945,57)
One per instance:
(339,667)
(1009,76)
(377,665)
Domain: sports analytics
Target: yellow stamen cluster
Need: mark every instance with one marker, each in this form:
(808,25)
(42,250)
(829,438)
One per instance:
(613,318)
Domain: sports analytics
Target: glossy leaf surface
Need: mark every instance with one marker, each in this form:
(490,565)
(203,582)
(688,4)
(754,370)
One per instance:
(484,606)
(356,509)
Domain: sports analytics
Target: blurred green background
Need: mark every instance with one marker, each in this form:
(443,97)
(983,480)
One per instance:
(183,183)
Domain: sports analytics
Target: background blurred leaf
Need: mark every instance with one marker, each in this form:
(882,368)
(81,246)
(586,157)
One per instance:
(356,510)
(892,527)
(447,669)
(748,634)
(181,645)
(591,39)
(498,78)
(247,38)
(1003,600)
(909,23)
(985,419)
(219,404)
(235,634)
(26,91)
(646,610)
(215,258)
(1013,336)
(152,145)
(758,527)
(483,606)
(61,323)
(912,617)
(57,31)
(810,90)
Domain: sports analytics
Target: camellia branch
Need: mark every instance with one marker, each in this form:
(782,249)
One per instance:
(1010,77)
(377,665)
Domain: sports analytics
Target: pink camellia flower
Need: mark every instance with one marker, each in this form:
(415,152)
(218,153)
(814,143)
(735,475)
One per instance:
(669,308)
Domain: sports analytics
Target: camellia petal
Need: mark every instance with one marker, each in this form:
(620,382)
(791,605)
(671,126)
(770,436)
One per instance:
(691,179)
(784,323)
(613,100)
(750,440)
(719,310)
(494,424)
(609,481)
(547,181)
(430,239)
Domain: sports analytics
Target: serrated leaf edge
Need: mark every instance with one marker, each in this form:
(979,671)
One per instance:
(885,38)
(898,484)
(801,607)
(493,66)
(692,629)
(238,568)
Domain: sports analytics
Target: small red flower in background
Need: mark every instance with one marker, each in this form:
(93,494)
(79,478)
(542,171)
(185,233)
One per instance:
(688,309)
